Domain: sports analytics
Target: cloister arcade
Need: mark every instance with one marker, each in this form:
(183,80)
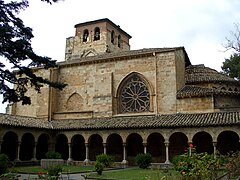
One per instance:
(162,144)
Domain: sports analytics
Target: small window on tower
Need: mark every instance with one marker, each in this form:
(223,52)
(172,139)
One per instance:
(112,37)
(119,41)
(97,34)
(85,35)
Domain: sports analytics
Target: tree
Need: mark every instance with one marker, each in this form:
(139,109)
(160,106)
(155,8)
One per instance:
(231,66)
(16,49)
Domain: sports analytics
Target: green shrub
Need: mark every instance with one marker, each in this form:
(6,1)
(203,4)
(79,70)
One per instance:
(54,170)
(99,167)
(53,155)
(233,164)
(105,159)
(143,160)
(3,163)
(198,166)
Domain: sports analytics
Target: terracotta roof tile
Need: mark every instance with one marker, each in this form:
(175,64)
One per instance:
(24,121)
(197,91)
(159,121)
(77,59)
(199,73)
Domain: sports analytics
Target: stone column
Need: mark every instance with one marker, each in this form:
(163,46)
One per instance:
(34,152)
(1,141)
(190,148)
(167,153)
(69,152)
(124,161)
(18,151)
(214,149)
(105,148)
(145,148)
(86,161)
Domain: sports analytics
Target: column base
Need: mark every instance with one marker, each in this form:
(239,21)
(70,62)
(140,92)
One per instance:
(124,164)
(70,159)
(167,162)
(86,162)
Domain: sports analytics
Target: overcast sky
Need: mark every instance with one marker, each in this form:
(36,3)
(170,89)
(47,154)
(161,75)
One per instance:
(201,26)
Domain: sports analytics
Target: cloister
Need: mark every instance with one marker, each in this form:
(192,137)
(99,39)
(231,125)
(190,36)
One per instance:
(123,102)
(162,144)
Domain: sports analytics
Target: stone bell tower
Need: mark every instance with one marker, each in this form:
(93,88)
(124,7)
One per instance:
(96,37)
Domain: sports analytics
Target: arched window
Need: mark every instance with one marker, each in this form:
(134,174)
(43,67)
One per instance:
(85,35)
(97,34)
(112,37)
(119,41)
(134,95)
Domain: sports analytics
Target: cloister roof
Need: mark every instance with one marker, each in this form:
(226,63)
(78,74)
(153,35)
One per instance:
(199,73)
(197,91)
(120,122)
(24,121)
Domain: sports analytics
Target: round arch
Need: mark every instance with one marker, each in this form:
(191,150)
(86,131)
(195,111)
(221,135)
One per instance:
(61,146)
(202,141)
(115,146)
(178,143)
(134,146)
(95,146)
(96,34)
(156,147)
(228,142)
(26,147)
(9,145)
(78,148)
(42,146)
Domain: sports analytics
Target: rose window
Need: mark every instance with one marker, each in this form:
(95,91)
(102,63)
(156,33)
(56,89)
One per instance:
(135,96)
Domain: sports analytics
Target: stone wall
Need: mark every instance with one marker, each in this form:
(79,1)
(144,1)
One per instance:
(92,87)
(166,83)
(195,105)
(39,101)
(227,102)
(76,48)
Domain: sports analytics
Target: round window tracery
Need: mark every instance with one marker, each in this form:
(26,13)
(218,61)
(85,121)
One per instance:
(134,96)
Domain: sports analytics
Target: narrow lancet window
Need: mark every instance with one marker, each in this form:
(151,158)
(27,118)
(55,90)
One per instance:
(112,37)
(97,34)
(85,35)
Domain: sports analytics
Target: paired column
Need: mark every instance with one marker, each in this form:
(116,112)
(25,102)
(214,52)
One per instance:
(145,148)
(87,154)
(167,152)
(124,161)
(69,152)
(190,148)
(214,149)
(1,141)
(105,148)
(34,152)
(18,151)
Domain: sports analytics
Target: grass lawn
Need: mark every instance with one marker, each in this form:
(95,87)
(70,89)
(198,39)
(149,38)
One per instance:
(66,169)
(138,174)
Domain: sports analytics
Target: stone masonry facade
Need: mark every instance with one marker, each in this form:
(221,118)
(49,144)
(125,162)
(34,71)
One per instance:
(124,102)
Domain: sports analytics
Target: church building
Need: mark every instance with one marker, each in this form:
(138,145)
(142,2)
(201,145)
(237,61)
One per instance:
(123,102)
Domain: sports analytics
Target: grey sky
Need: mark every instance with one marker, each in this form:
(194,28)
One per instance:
(199,25)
